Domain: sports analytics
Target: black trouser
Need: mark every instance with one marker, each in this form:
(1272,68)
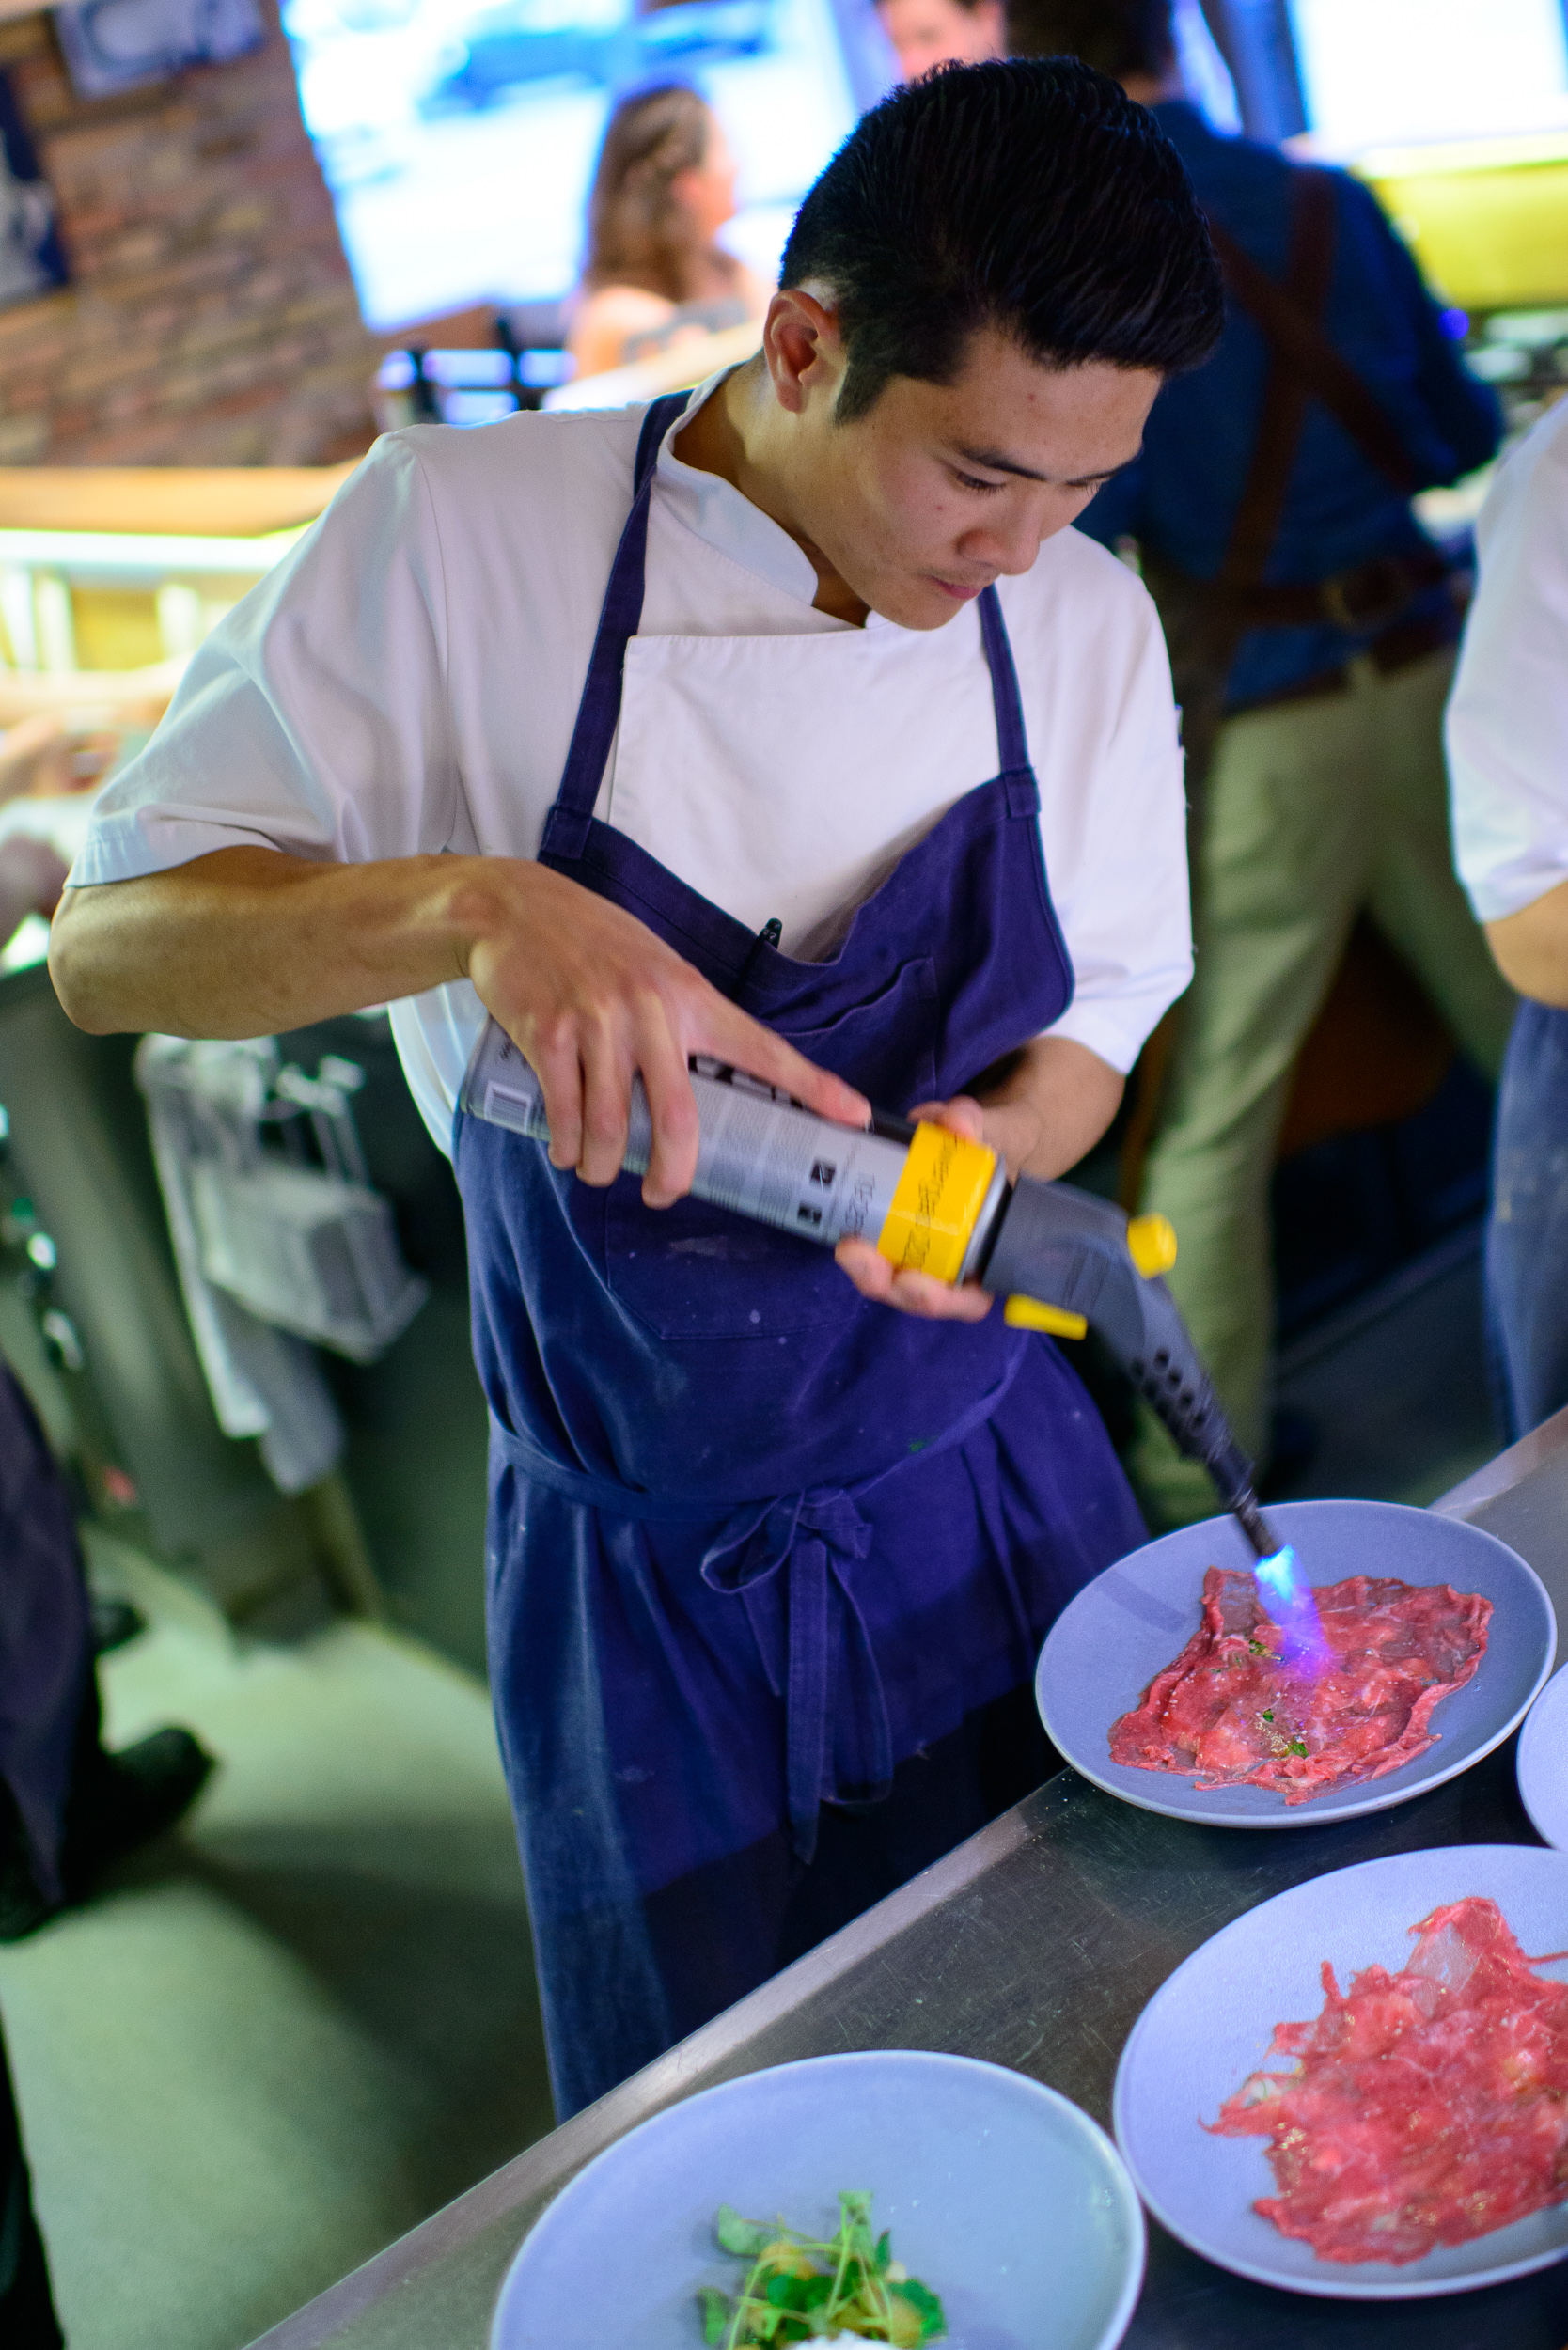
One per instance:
(51,1720)
(45,1638)
(27,2320)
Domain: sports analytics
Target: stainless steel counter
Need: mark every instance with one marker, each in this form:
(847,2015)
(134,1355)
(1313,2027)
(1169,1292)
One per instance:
(1036,1945)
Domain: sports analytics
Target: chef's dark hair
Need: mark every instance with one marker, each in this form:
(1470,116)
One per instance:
(1120,37)
(1026,195)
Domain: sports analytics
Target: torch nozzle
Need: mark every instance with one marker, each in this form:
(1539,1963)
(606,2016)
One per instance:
(1253,1524)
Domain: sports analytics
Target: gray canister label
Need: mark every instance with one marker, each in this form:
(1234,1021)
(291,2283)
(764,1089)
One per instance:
(760,1152)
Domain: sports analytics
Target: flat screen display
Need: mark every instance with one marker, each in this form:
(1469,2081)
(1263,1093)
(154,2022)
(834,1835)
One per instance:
(1388,72)
(459,136)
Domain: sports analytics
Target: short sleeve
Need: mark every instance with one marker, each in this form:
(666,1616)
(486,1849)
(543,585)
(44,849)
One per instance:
(1507,725)
(314,719)
(1123,898)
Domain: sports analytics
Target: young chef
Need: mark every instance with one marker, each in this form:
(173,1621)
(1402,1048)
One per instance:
(772,1550)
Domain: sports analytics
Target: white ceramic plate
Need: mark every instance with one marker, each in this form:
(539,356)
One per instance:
(1000,2195)
(1129,1623)
(1210,2024)
(1542,1763)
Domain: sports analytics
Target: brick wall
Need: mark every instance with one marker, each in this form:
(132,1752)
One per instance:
(210,318)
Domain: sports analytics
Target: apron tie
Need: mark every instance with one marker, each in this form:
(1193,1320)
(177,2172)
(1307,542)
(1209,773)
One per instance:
(804,1537)
(783,1559)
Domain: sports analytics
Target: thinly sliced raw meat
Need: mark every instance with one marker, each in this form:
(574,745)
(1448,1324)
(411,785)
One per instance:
(1233,1712)
(1423,2108)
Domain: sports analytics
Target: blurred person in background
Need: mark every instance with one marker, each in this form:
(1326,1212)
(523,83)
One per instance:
(941,32)
(60,734)
(654,272)
(109,700)
(1312,626)
(41,758)
(1507,759)
(69,1809)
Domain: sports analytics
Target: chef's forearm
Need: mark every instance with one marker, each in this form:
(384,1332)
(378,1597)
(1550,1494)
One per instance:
(247,941)
(1055,1104)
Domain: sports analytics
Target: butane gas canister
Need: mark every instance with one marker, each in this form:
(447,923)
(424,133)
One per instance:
(932,1200)
(926,1197)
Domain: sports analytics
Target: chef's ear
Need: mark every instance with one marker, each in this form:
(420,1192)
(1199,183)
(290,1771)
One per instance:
(802,345)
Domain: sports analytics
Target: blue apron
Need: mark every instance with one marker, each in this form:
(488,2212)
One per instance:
(768,1565)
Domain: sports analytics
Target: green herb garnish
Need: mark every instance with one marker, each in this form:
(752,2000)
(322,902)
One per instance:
(798,2285)
(1268,1718)
(1259,1648)
(1298,1746)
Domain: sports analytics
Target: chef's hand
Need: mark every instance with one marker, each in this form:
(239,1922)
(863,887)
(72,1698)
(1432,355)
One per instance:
(32,875)
(1054,1103)
(921,1294)
(591,997)
(43,758)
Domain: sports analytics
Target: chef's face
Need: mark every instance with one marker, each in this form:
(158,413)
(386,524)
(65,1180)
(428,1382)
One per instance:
(926,33)
(942,488)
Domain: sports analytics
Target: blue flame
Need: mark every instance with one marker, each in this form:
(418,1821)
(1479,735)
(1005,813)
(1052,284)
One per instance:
(1287,1600)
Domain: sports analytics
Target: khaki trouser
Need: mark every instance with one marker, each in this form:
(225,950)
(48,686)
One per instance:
(1312,811)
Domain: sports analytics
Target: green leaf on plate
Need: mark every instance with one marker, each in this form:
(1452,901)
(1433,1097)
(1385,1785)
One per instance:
(745,2238)
(921,2298)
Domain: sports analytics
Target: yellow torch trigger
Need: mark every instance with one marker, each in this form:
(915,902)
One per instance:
(1028,1313)
(1152,1244)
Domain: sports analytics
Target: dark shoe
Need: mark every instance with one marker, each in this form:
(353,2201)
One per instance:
(115,1621)
(23,1907)
(128,1799)
(117,1803)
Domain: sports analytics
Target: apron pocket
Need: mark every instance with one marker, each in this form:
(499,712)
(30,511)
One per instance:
(886,1046)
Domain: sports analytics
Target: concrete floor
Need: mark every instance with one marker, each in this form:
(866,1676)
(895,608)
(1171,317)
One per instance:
(301,2025)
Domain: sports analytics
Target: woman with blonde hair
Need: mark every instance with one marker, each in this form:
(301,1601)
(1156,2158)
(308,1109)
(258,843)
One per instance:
(664,187)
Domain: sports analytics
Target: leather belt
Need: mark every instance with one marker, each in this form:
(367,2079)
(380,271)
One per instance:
(1397,647)
(1367,597)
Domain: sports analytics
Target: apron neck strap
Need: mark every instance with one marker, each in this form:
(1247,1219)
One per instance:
(656,424)
(598,712)
(1012,743)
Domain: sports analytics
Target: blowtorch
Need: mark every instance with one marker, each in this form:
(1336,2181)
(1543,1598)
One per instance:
(1065,1262)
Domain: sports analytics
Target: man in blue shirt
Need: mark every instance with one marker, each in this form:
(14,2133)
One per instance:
(1312,624)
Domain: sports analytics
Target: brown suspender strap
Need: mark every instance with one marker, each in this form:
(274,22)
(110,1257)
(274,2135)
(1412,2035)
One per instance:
(1297,338)
(1303,296)
(1205,620)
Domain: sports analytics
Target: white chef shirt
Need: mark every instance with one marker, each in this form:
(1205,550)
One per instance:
(1508,715)
(407,678)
